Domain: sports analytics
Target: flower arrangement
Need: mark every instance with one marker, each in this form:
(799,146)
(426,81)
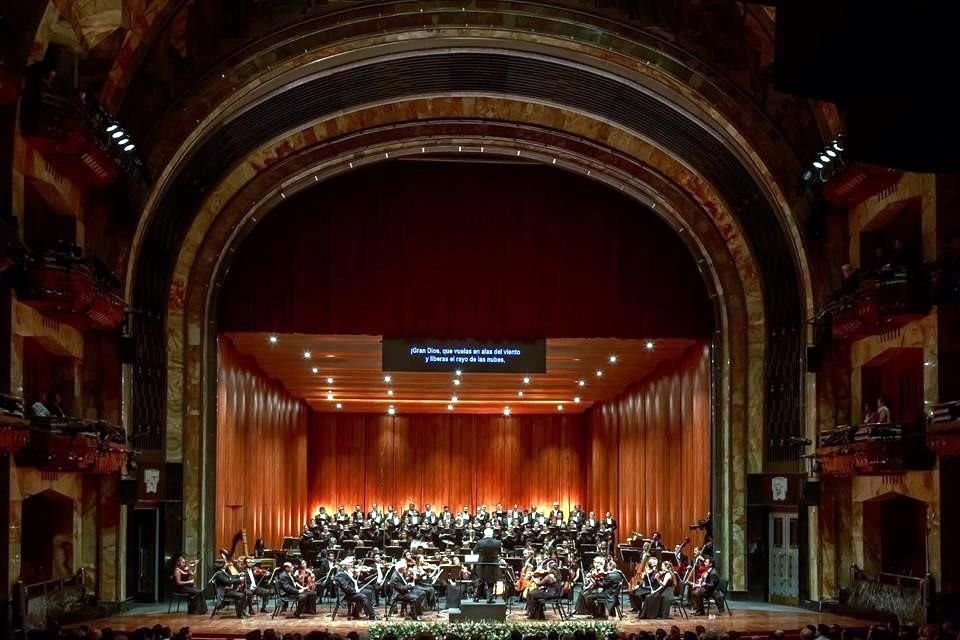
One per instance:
(487,629)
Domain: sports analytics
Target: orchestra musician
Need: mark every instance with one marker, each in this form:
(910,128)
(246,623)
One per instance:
(289,587)
(600,589)
(229,588)
(406,591)
(357,517)
(707,586)
(184,582)
(658,602)
(357,595)
(556,514)
(305,577)
(257,580)
(547,586)
(645,585)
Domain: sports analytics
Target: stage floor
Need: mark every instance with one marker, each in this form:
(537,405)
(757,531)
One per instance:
(747,616)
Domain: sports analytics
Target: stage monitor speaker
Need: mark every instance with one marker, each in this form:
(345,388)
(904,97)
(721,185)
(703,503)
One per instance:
(472,611)
(814,358)
(811,493)
(128,491)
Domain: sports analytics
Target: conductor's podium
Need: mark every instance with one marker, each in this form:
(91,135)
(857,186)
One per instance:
(471,611)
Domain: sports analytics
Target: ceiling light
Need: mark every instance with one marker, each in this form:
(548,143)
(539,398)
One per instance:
(836,145)
(520,393)
(818,165)
(458,373)
(831,153)
(526,380)
(391,410)
(449,407)
(576,399)
(329,395)
(389,392)
(123,141)
(506,411)
(454,398)
(599,373)
(339,405)
(330,355)
(315,370)
(649,345)
(112,128)
(117,134)
(456,382)
(559,407)
(613,359)
(306,355)
(387,379)
(824,157)
(329,380)
(273,339)
(581,382)
(129,147)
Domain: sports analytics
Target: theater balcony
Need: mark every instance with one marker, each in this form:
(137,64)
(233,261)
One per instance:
(63,285)
(877,301)
(70,444)
(857,182)
(871,449)
(943,429)
(14,428)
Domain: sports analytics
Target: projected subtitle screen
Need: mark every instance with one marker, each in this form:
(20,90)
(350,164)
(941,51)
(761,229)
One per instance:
(466,355)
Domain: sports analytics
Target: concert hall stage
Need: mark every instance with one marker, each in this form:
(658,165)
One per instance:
(757,617)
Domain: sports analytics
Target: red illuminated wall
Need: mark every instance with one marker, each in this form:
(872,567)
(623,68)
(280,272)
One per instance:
(261,453)
(650,450)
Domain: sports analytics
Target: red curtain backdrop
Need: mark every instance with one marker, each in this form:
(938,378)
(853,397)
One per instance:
(479,251)
(650,450)
(451,460)
(261,453)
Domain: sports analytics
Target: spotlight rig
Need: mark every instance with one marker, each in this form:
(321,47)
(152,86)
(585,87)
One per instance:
(827,163)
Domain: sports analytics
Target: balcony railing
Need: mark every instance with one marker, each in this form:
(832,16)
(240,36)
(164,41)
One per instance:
(73,445)
(14,428)
(943,428)
(77,291)
(877,301)
(873,449)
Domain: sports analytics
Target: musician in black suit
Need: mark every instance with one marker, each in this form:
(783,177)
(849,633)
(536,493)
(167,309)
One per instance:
(229,588)
(706,587)
(406,591)
(488,549)
(354,594)
(357,516)
(257,581)
(600,590)
(556,514)
(289,588)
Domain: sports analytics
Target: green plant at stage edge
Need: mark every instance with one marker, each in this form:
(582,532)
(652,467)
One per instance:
(487,629)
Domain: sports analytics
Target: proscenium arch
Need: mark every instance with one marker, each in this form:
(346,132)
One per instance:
(247,204)
(220,143)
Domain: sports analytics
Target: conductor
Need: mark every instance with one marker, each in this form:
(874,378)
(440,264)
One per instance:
(488,549)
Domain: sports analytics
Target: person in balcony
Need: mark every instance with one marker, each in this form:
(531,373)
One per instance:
(883,411)
(869,415)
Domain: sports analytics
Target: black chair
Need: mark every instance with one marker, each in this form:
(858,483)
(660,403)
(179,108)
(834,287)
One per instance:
(281,600)
(562,603)
(342,601)
(718,599)
(219,603)
(178,597)
(618,603)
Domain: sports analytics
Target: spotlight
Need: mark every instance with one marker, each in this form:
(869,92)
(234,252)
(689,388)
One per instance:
(129,147)
(836,145)
(387,379)
(449,407)
(112,128)
(526,380)
(649,345)
(329,380)
(817,165)
(576,399)
(581,382)
(454,398)
(123,142)
(306,355)
(506,411)
(117,134)
(559,407)
(831,153)
(458,373)
(330,395)
(520,394)
(613,359)
(273,339)
(456,382)
(390,392)
(339,405)
(599,373)
(824,157)
(315,370)
(391,410)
